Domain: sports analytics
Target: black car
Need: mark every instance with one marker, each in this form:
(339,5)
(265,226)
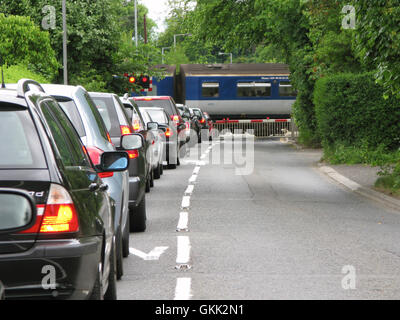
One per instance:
(68,249)
(193,125)
(203,123)
(117,119)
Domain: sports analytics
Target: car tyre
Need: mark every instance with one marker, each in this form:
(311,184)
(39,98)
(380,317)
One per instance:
(152,178)
(111,293)
(138,217)
(125,239)
(119,254)
(157,172)
(97,291)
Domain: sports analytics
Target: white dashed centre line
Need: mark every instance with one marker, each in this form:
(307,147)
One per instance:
(183,289)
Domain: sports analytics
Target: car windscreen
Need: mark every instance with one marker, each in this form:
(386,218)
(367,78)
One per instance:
(20,147)
(106,107)
(165,104)
(157,116)
(72,112)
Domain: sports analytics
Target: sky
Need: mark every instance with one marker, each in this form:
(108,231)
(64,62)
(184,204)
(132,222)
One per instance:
(158,11)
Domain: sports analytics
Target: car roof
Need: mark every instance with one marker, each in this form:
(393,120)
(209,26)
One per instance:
(102,94)
(152,108)
(152,98)
(10,96)
(60,89)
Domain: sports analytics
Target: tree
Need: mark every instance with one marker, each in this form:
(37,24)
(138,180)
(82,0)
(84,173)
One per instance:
(24,43)
(377,40)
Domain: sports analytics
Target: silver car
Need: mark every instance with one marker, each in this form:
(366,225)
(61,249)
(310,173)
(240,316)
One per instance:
(82,111)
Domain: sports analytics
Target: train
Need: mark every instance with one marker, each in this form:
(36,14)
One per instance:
(229,91)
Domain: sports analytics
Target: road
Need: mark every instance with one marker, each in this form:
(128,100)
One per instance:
(285,231)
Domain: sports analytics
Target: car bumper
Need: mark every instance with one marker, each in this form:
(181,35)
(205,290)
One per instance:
(52,269)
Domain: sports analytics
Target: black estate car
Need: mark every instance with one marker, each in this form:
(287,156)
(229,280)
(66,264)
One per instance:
(68,249)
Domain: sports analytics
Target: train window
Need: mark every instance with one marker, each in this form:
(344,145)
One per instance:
(210,89)
(286,89)
(254,89)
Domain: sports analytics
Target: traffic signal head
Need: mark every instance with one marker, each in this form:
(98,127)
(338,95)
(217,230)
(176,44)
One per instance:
(144,81)
(132,79)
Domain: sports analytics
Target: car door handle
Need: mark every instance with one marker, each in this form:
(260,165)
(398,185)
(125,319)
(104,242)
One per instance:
(94,187)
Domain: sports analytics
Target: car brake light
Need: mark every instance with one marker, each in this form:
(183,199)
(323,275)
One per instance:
(106,174)
(133,154)
(95,156)
(136,125)
(125,130)
(109,138)
(202,120)
(58,215)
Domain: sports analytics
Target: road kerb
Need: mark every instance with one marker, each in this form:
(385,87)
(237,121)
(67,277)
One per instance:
(361,190)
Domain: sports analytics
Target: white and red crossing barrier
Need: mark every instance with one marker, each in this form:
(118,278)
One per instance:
(253,121)
(150,89)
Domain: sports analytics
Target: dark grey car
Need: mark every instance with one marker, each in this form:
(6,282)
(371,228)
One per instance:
(118,124)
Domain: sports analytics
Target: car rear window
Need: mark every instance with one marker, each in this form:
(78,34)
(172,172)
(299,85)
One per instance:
(157,116)
(106,107)
(165,104)
(20,147)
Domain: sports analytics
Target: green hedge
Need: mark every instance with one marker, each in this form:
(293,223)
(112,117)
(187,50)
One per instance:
(351,111)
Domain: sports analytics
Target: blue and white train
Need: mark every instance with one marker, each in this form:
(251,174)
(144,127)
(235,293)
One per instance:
(234,91)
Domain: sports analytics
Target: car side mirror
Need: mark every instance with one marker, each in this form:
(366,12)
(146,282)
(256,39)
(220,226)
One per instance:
(18,210)
(152,126)
(114,161)
(132,141)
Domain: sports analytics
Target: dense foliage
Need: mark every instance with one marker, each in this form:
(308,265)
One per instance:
(99,39)
(22,42)
(351,111)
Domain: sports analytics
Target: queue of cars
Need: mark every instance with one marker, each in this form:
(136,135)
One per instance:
(75,168)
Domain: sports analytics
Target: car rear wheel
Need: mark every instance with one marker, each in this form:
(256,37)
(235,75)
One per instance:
(125,239)
(111,293)
(138,217)
(148,184)
(97,291)
(157,172)
(152,178)
(119,254)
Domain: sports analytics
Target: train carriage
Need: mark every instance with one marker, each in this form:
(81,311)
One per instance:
(235,91)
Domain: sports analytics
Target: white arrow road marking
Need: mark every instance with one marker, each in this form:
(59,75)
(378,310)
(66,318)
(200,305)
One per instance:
(183,289)
(154,254)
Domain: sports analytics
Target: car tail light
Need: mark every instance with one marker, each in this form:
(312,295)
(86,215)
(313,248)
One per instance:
(187,125)
(58,215)
(125,130)
(109,138)
(95,155)
(133,154)
(168,132)
(136,125)
(176,118)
